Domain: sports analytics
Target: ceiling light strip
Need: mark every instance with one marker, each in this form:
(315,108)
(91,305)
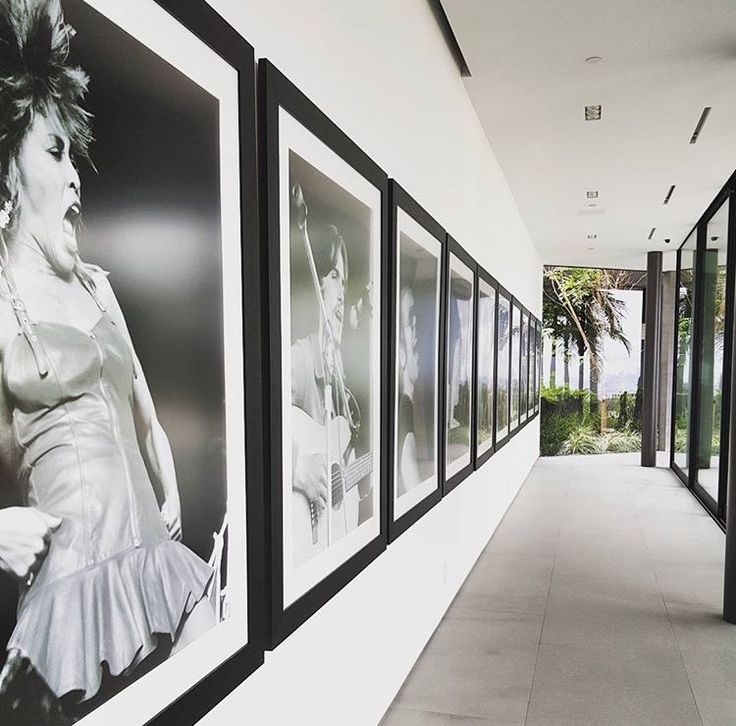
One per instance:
(700,124)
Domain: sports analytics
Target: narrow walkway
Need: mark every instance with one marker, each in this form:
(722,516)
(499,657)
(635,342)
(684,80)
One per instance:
(597,602)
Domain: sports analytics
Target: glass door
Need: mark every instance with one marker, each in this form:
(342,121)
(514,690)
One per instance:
(710,374)
(685,302)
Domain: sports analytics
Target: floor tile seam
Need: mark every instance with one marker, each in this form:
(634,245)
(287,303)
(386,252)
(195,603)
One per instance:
(436,712)
(681,657)
(544,620)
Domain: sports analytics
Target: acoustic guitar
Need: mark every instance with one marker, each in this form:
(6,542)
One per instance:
(314,530)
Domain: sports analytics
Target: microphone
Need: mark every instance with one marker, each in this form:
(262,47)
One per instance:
(362,307)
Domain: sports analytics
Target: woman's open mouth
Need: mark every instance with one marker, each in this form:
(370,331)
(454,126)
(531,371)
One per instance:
(71,222)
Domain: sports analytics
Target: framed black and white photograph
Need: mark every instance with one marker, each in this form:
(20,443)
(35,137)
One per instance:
(459,357)
(417,244)
(515,375)
(130,564)
(485,367)
(524,370)
(327,210)
(503,366)
(532,364)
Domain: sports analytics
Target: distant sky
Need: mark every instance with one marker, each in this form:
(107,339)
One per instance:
(620,369)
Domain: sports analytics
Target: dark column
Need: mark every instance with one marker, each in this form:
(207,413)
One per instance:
(729,580)
(650,372)
(667,343)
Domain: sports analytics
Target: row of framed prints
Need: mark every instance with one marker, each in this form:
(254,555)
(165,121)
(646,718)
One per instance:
(397,364)
(291,363)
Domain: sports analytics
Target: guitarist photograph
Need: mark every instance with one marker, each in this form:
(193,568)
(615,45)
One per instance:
(331,456)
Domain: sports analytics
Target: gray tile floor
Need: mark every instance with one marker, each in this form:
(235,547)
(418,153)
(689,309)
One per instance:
(597,602)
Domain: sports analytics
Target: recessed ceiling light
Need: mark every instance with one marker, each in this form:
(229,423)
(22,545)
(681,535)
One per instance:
(593,113)
(592,204)
(651,234)
(594,59)
(591,194)
(591,248)
(669,195)
(700,124)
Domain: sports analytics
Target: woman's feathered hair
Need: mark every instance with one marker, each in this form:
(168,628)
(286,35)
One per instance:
(35,77)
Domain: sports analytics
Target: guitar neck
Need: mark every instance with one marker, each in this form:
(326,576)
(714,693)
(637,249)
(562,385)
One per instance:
(357,471)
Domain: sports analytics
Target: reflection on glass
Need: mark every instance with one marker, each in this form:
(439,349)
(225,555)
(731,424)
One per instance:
(486,337)
(459,365)
(538,392)
(417,280)
(711,351)
(515,364)
(685,300)
(532,366)
(524,376)
(502,371)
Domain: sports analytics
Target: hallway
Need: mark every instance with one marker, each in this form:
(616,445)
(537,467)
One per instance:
(596,602)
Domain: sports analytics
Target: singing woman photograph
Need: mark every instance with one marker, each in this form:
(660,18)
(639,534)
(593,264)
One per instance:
(113,526)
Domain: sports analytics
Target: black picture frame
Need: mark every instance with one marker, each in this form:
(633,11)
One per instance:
(524,366)
(188,705)
(399,198)
(483,275)
(503,294)
(514,422)
(276,92)
(215,32)
(451,482)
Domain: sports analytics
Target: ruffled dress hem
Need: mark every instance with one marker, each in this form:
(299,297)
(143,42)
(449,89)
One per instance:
(113,613)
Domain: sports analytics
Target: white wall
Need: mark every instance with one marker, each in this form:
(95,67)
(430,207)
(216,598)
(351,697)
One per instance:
(381,70)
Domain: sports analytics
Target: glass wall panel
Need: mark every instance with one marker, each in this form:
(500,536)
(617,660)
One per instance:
(713,320)
(683,383)
(515,365)
(486,363)
(502,371)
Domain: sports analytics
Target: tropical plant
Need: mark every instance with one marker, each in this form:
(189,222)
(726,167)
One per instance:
(579,302)
(582,440)
(619,442)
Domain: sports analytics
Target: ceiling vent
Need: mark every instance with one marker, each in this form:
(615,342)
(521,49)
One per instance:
(651,234)
(701,122)
(669,195)
(593,113)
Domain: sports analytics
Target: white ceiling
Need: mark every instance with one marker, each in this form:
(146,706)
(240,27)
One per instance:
(663,61)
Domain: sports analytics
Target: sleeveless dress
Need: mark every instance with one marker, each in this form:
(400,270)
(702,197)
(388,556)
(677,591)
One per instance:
(113,581)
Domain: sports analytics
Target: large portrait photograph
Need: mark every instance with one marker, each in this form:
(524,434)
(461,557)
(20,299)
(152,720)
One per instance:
(416,362)
(503,344)
(327,229)
(122,450)
(459,362)
(485,366)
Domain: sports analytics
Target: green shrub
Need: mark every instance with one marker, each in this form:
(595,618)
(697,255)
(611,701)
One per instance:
(554,429)
(583,440)
(620,442)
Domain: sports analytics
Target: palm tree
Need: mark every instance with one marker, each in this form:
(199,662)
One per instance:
(585,296)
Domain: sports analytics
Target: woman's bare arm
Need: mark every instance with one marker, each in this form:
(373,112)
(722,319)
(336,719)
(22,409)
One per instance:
(25,532)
